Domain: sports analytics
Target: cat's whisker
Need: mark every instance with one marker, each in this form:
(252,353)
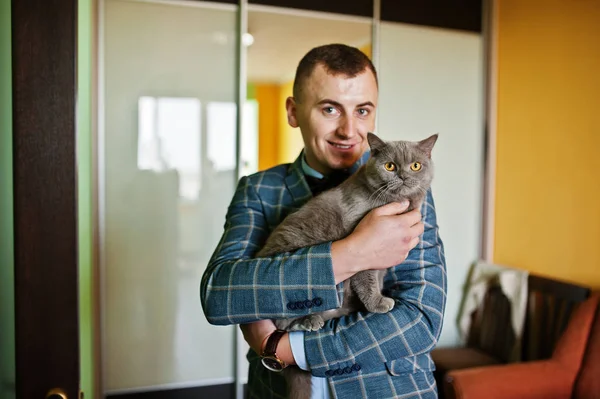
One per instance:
(383,190)
(396,185)
(388,187)
(378,192)
(375,195)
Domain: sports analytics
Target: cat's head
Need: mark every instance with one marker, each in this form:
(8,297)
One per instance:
(400,169)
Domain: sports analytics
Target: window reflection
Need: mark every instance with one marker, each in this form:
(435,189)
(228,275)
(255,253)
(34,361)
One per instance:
(221,121)
(169,138)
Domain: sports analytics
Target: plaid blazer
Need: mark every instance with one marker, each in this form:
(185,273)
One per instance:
(363,355)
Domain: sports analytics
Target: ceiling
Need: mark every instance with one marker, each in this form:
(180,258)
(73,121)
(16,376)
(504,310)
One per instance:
(280,41)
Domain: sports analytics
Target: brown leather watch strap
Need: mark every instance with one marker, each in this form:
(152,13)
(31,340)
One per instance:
(272,342)
(269,357)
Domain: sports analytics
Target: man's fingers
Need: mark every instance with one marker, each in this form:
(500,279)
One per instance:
(418,229)
(393,208)
(413,239)
(414,242)
(409,219)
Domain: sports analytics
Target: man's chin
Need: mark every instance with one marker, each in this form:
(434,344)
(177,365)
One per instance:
(345,163)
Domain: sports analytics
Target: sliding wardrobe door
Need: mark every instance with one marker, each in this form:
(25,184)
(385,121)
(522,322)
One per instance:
(431,81)
(167,173)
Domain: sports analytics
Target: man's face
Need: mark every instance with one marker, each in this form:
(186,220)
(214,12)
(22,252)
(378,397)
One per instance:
(334,113)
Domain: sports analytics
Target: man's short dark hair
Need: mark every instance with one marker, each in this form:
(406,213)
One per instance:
(336,58)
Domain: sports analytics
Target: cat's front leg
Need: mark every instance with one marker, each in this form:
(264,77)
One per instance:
(286,324)
(367,285)
(312,322)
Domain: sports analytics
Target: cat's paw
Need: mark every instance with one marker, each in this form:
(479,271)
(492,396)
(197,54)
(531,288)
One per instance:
(312,323)
(382,305)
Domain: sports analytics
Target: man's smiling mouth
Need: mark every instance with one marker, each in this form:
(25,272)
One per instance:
(341,146)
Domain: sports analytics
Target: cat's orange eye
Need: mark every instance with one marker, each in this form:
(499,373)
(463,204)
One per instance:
(390,166)
(416,166)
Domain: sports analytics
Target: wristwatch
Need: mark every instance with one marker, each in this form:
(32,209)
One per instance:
(269,357)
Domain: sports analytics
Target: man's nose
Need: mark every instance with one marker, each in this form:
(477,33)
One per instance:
(347,127)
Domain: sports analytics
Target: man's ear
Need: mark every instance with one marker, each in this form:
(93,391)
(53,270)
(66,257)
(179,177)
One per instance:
(290,106)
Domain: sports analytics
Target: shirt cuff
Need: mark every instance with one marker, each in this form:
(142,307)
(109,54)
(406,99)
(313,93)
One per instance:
(297,345)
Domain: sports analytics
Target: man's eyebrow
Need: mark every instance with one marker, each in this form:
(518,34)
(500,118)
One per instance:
(337,104)
(366,104)
(328,101)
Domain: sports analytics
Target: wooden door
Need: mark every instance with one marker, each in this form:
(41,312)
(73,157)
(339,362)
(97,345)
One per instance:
(45,203)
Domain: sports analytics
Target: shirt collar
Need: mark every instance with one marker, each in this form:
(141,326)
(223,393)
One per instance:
(308,171)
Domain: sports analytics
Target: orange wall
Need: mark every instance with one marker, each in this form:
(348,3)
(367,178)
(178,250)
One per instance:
(278,142)
(290,138)
(548,138)
(267,96)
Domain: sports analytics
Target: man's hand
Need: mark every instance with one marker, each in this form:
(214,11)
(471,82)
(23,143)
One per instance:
(256,333)
(382,239)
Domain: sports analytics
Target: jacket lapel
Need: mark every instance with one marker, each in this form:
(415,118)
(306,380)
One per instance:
(296,183)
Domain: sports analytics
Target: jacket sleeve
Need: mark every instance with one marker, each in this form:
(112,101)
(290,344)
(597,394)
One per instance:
(238,288)
(367,340)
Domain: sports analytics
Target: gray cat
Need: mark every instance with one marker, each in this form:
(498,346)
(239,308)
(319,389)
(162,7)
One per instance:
(395,171)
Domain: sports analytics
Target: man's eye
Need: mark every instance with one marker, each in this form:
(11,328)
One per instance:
(363,112)
(329,110)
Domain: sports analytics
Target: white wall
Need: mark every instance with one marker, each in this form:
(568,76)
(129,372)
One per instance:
(431,81)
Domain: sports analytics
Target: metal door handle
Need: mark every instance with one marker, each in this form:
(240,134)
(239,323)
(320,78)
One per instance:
(56,393)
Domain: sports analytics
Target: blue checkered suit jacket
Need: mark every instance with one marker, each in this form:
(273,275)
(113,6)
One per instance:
(364,355)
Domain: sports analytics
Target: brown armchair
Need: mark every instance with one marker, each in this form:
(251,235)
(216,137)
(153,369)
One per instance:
(573,371)
(491,339)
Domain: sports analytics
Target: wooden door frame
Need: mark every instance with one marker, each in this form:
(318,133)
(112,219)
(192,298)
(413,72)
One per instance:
(44,84)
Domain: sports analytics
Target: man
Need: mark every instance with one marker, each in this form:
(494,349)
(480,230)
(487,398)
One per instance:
(362,355)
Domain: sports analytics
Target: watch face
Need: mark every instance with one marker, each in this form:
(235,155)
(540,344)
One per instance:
(272,364)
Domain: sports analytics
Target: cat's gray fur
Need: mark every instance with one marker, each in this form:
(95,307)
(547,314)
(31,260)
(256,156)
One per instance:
(335,213)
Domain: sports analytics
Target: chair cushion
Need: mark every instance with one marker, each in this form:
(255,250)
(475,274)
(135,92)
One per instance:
(447,359)
(588,384)
(572,345)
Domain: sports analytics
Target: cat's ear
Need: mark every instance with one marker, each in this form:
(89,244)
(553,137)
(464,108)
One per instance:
(427,145)
(375,143)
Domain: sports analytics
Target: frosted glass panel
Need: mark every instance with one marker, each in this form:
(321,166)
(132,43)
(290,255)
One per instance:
(221,132)
(169,138)
(431,82)
(169,174)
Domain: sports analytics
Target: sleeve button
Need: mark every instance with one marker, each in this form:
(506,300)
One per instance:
(329,373)
(356,367)
(291,306)
(299,305)
(317,301)
(348,370)
(308,304)
(339,371)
